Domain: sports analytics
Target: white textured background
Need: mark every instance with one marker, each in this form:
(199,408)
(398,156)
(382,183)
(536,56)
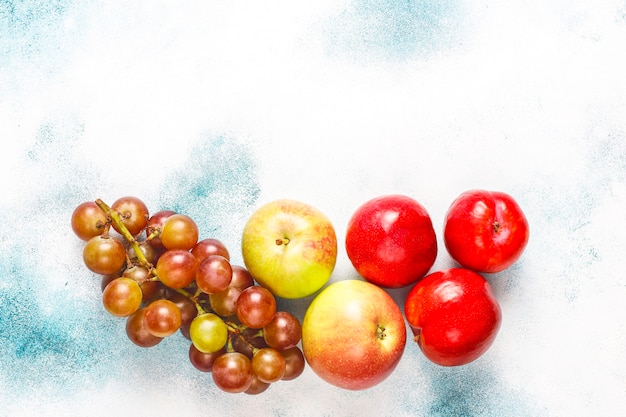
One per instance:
(213,108)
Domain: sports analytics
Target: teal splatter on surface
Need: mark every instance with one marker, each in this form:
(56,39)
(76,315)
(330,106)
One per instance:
(475,390)
(50,340)
(55,337)
(217,188)
(395,30)
(51,336)
(31,27)
(36,37)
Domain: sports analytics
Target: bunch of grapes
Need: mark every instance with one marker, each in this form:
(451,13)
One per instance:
(163,280)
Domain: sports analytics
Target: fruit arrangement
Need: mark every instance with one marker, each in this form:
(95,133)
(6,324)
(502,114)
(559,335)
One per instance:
(163,279)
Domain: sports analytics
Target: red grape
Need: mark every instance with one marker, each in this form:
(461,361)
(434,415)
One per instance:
(155,222)
(88,220)
(188,309)
(294,363)
(209,246)
(104,255)
(203,361)
(148,251)
(122,297)
(283,332)
(257,386)
(150,290)
(140,274)
(108,278)
(179,232)
(189,286)
(232,372)
(268,364)
(241,277)
(184,330)
(256,307)
(133,213)
(248,341)
(137,273)
(138,333)
(224,303)
(176,268)
(162,318)
(214,274)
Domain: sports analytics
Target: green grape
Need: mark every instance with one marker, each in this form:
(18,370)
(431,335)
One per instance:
(208,332)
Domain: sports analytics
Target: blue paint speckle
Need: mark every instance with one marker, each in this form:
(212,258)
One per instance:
(474,390)
(36,37)
(51,335)
(55,337)
(394,30)
(40,347)
(217,187)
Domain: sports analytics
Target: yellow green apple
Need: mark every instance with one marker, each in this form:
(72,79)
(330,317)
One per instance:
(289,247)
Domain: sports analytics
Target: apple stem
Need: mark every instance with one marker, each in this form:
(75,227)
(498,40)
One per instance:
(283,241)
(380,332)
(496,226)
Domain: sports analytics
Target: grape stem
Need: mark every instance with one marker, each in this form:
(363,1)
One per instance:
(237,330)
(121,227)
(234,327)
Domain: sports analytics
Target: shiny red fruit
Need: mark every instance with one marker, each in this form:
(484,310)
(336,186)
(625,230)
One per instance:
(454,316)
(155,223)
(133,212)
(485,231)
(88,220)
(391,242)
